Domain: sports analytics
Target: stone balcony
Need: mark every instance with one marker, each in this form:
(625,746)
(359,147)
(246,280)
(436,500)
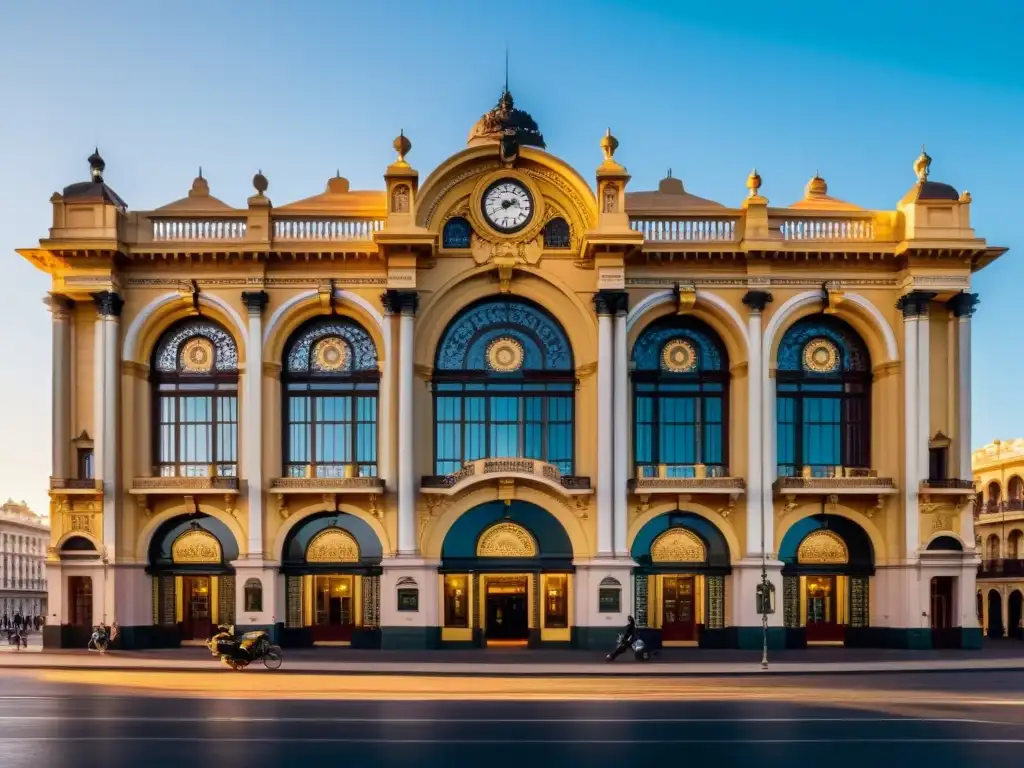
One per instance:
(74,486)
(685,481)
(330,482)
(209,484)
(832,480)
(505,472)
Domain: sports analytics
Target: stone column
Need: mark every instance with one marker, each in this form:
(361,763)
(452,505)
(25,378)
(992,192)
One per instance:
(924,378)
(757,512)
(914,306)
(252,433)
(406,303)
(106,365)
(963,306)
(386,411)
(620,425)
(61,307)
(604,307)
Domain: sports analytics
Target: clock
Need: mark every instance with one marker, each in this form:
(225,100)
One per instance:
(507,205)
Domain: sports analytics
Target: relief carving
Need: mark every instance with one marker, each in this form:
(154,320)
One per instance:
(678,545)
(822,548)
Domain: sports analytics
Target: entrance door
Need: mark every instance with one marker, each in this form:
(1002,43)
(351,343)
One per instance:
(944,633)
(507,610)
(822,623)
(678,620)
(196,623)
(79,601)
(1014,626)
(333,608)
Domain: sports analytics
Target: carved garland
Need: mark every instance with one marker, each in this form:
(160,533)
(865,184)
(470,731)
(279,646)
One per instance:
(678,545)
(333,546)
(194,547)
(506,540)
(823,548)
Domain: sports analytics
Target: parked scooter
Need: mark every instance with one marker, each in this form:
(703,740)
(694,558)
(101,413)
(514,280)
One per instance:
(640,652)
(102,637)
(239,651)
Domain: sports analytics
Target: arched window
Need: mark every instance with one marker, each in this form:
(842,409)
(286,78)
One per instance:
(330,382)
(194,374)
(456,233)
(1013,545)
(503,387)
(992,547)
(823,385)
(680,399)
(1015,494)
(556,233)
(995,497)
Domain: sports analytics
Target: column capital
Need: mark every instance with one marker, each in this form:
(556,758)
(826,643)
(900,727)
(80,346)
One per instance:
(610,302)
(255,301)
(963,304)
(756,301)
(108,303)
(915,303)
(400,302)
(60,306)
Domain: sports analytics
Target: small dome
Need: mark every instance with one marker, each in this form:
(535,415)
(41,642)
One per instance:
(928,190)
(504,117)
(816,187)
(200,187)
(337,184)
(670,185)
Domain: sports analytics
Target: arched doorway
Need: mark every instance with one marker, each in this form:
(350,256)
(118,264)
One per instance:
(332,565)
(828,561)
(992,547)
(189,559)
(507,577)
(1013,625)
(995,614)
(679,582)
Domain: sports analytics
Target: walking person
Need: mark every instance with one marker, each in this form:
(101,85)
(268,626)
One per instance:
(625,639)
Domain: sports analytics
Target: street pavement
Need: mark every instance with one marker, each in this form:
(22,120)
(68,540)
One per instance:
(219,718)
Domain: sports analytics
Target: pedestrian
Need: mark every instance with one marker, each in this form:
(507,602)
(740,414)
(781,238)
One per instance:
(6,621)
(625,639)
(18,620)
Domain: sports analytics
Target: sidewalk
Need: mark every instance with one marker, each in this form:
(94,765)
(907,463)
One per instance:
(1004,656)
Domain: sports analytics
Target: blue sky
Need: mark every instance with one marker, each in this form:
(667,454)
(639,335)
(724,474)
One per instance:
(300,89)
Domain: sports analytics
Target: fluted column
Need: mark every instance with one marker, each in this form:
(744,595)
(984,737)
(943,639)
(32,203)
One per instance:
(405,303)
(757,513)
(60,308)
(620,425)
(106,364)
(252,448)
(914,306)
(963,306)
(605,546)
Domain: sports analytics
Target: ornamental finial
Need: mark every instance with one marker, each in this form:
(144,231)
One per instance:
(608,145)
(754,183)
(402,146)
(922,165)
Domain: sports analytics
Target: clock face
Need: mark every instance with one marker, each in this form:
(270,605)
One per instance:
(507,205)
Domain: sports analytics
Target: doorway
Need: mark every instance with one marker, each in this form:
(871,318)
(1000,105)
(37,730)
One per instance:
(945,634)
(80,601)
(507,609)
(196,620)
(995,614)
(822,622)
(333,608)
(678,617)
(1013,626)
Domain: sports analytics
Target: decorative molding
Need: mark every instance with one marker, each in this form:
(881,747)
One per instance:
(196,546)
(822,547)
(915,303)
(506,539)
(132,368)
(678,545)
(586,370)
(400,302)
(255,301)
(963,304)
(333,545)
(108,303)
(756,301)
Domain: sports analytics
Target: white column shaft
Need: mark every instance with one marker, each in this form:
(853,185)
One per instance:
(755,471)
(111,381)
(620,443)
(406,467)
(386,420)
(98,378)
(964,410)
(769,465)
(61,390)
(911,434)
(252,452)
(924,400)
(604,436)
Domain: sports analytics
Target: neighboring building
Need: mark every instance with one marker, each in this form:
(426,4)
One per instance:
(999,526)
(24,539)
(504,405)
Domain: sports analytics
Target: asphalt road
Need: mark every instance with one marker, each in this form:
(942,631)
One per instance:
(938,720)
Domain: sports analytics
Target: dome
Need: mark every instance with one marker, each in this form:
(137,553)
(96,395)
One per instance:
(493,124)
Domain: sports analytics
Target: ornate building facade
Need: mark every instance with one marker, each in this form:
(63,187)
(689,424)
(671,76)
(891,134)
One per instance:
(506,405)
(24,539)
(999,478)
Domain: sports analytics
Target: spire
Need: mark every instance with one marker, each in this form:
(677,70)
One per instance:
(506,69)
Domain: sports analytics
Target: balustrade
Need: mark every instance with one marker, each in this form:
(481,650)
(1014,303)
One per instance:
(686,229)
(827,229)
(198,229)
(326,228)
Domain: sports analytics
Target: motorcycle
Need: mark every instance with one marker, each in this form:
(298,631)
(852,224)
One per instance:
(102,637)
(17,638)
(239,651)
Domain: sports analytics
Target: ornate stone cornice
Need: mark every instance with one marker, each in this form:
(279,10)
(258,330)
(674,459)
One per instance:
(756,301)
(255,301)
(915,303)
(963,304)
(400,302)
(609,302)
(108,303)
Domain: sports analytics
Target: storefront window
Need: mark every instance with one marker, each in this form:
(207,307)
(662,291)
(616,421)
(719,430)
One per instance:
(456,601)
(556,602)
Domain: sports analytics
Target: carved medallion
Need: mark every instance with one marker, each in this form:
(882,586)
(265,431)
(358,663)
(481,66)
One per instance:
(333,546)
(821,356)
(505,355)
(330,354)
(506,540)
(196,546)
(679,356)
(823,548)
(678,545)
(197,355)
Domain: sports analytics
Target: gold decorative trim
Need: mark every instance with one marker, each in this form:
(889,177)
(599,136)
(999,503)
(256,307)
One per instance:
(505,355)
(822,548)
(331,354)
(273,370)
(196,546)
(197,355)
(883,370)
(821,356)
(586,370)
(132,368)
(679,356)
(739,369)
(333,545)
(678,545)
(506,540)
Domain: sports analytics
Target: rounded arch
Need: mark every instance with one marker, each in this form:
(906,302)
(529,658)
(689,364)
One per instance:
(297,539)
(145,536)
(995,613)
(70,538)
(709,515)
(162,538)
(302,307)
(716,548)
(1014,541)
(859,312)
(945,541)
(552,542)
(811,509)
(159,314)
(860,548)
(321,508)
(994,491)
(1015,488)
(992,547)
(710,307)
